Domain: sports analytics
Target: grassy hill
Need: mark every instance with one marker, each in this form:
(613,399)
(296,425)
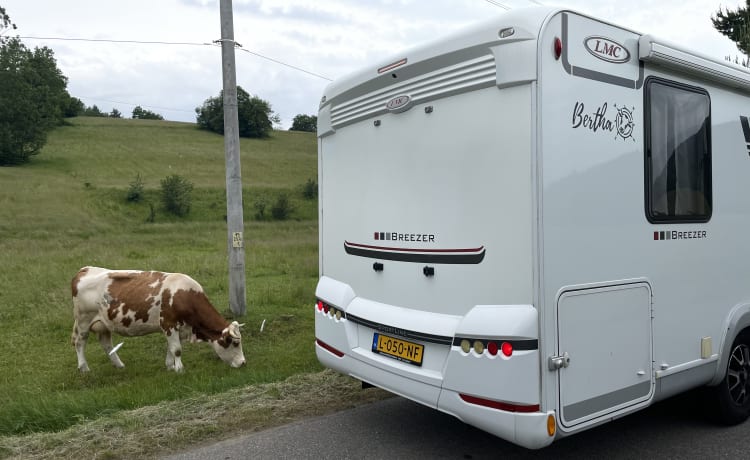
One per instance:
(68,209)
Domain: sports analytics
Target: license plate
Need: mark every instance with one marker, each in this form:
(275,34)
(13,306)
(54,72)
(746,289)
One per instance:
(401,350)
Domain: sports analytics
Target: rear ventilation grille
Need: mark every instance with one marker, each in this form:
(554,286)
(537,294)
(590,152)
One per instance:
(459,78)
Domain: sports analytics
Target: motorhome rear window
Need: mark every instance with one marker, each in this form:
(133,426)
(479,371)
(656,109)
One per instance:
(678,152)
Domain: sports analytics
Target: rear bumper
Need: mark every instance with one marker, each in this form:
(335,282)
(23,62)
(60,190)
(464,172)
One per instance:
(525,429)
(501,394)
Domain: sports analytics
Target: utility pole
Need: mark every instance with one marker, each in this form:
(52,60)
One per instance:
(235,223)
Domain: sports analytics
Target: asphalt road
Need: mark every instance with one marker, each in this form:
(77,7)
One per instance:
(400,429)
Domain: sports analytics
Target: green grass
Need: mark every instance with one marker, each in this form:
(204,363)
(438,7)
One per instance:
(68,208)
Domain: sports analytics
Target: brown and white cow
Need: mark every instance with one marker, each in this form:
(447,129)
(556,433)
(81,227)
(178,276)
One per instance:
(132,302)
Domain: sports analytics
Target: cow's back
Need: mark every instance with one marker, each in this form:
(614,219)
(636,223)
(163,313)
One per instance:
(126,301)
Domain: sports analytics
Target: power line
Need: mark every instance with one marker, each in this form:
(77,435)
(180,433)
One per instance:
(285,64)
(104,40)
(493,2)
(134,105)
(145,42)
(506,7)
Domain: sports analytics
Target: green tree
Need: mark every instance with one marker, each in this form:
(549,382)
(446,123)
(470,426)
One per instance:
(93,111)
(115,114)
(33,95)
(256,117)
(307,123)
(735,25)
(5,24)
(143,114)
(73,107)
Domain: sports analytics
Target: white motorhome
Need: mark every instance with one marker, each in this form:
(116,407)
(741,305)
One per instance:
(538,225)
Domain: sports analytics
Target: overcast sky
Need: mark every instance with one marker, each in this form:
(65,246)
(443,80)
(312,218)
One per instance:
(326,37)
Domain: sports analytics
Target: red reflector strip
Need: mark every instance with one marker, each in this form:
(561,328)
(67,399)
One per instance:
(329,348)
(508,407)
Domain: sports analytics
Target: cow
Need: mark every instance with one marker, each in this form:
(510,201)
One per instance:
(133,303)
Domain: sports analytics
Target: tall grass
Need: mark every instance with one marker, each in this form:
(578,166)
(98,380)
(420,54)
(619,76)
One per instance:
(68,208)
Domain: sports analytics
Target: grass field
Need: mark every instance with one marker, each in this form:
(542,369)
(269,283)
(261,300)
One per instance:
(67,209)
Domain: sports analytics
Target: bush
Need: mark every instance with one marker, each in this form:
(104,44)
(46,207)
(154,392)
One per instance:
(260,208)
(282,208)
(151,214)
(310,189)
(175,194)
(135,190)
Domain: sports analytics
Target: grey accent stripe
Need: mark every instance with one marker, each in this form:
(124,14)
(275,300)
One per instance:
(593,74)
(606,401)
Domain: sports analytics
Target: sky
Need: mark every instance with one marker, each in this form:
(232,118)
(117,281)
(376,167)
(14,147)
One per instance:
(325,38)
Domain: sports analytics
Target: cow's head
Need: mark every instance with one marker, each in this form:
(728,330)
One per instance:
(229,345)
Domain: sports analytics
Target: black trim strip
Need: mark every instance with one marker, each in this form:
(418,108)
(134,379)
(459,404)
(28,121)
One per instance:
(424,337)
(519,344)
(593,74)
(448,256)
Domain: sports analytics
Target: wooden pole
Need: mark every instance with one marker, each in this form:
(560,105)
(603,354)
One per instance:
(235,223)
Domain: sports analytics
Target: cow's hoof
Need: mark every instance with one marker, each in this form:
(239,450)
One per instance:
(84,368)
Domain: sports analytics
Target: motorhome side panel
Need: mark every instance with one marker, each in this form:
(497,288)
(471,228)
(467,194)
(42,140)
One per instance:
(703,272)
(596,288)
(603,113)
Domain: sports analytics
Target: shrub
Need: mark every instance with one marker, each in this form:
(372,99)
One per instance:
(151,218)
(135,190)
(310,189)
(282,207)
(175,194)
(260,208)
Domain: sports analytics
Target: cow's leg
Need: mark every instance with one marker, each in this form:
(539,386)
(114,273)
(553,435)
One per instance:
(174,351)
(79,338)
(105,339)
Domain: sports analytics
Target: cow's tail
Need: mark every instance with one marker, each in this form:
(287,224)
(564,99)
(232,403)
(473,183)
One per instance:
(74,334)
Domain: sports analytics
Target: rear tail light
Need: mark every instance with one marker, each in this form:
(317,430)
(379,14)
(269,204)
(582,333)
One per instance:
(330,310)
(490,348)
(507,348)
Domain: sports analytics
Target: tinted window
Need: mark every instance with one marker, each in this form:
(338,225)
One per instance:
(678,152)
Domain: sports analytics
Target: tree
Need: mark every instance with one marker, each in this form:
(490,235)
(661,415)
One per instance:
(5,24)
(93,111)
(143,114)
(736,26)
(115,113)
(307,123)
(255,115)
(33,95)
(73,107)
